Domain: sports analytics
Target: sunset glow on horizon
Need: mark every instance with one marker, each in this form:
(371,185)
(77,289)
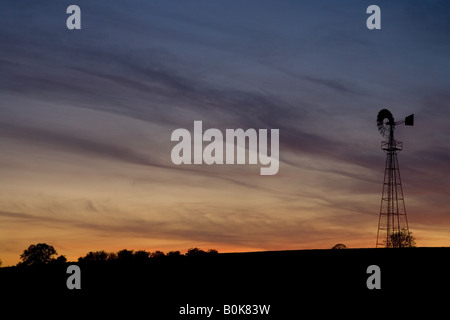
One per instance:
(86,118)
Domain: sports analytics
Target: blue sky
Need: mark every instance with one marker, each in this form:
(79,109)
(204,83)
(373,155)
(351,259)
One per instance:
(86,117)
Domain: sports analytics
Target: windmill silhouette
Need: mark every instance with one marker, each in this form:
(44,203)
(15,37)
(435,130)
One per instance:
(393,230)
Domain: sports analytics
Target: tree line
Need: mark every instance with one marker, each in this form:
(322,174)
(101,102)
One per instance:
(42,253)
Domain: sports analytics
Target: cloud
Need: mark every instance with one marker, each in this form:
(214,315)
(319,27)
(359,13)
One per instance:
(332,84)
(65,142)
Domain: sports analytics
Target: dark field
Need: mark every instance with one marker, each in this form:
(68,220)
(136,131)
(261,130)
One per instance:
(294,283)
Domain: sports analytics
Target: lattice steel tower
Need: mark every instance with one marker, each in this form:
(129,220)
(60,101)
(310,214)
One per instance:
(393,230)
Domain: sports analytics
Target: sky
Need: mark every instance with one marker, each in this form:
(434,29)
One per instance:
(86,118)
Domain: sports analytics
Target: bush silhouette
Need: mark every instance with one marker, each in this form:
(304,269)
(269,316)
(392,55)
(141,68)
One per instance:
(339,246)
(402,239)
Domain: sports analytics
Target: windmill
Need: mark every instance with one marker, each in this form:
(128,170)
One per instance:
(393,230)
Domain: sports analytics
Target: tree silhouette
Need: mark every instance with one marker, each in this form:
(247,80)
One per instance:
(111,256)
(402,239)
(125,255)
(195,252)
(95,256)
(141,256)
(61,259)
(173,254)
(157,254)
(36,254)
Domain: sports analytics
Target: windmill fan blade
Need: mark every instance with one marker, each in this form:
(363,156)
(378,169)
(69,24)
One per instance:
(385,126)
